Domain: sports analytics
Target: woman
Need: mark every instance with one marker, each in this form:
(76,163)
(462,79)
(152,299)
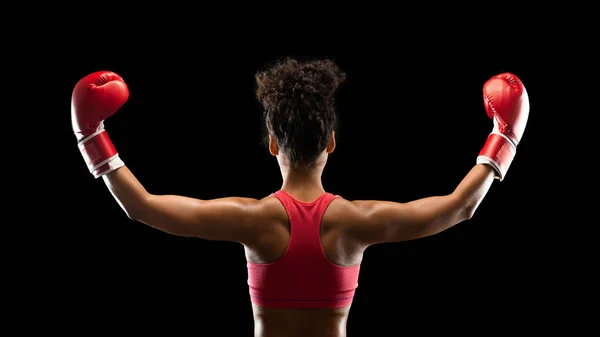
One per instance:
(303,245)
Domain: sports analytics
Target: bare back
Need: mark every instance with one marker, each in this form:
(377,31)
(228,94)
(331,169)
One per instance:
(273,244)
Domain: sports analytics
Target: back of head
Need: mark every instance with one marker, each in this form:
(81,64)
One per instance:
(298,101)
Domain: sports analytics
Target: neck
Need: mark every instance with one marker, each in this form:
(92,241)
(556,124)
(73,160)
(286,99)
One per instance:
(302,180)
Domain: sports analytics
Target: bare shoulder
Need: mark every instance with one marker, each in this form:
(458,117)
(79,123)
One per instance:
(344,212)
(267,210)
(254,213)
(271,229)
(356,220)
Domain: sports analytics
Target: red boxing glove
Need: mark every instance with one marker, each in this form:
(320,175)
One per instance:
(507,103)
(96,97)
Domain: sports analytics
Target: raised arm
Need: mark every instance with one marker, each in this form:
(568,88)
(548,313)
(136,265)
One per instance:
(507,103)
(385,221)
(227,219)
(98,96)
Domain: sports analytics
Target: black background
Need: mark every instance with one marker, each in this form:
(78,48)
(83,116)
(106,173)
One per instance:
(412,122)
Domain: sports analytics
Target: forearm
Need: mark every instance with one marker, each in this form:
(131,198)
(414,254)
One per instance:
(127,190)
(473,188)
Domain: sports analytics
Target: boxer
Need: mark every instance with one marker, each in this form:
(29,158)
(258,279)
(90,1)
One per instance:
(303,245)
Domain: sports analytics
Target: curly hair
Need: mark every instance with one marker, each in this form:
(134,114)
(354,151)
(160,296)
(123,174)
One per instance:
(298,102)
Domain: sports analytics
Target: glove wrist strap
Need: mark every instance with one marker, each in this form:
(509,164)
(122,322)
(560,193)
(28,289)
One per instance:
(498,152)
(99,153)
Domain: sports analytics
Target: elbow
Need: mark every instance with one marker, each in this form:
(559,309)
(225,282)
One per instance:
(132,214)
(467,210)
(456,211)
(135,211)
(462,208)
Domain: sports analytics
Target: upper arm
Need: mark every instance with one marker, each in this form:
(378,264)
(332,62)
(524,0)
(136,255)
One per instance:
(385,221)
(228,219)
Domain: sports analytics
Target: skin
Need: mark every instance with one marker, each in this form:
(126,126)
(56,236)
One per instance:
(347,228)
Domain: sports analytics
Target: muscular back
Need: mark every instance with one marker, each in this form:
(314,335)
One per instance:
(338,247)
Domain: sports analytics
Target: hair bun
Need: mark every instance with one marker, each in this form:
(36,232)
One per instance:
(293,80)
